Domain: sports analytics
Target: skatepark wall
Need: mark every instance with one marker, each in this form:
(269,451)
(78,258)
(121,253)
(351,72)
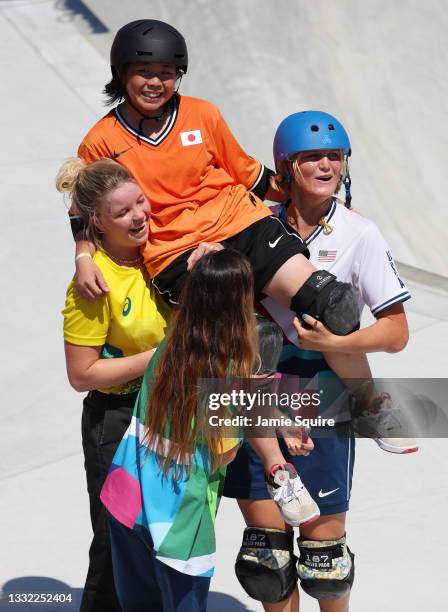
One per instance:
(378,66)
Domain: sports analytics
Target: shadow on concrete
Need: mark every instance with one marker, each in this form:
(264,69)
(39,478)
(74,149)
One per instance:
(23,593)
(220,602)
(73,8)
(31,593)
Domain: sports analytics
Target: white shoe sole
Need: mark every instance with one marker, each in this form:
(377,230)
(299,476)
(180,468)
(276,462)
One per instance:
(310,519)
(397,450)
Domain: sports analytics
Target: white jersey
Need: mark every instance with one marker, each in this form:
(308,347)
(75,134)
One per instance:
(356,253)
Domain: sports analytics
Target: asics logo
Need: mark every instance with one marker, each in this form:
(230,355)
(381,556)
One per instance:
(275,243)
(322,494)
(127,307)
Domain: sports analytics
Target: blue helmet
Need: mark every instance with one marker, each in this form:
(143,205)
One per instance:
(310,131)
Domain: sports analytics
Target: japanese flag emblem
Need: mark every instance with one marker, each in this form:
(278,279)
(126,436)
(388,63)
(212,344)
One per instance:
(191,138)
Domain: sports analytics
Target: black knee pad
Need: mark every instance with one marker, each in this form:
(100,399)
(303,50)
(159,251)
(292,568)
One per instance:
(332,302)
(270,345)
(326,568)
(266,564)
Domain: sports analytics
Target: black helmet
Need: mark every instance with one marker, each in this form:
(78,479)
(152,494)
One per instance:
(148,40)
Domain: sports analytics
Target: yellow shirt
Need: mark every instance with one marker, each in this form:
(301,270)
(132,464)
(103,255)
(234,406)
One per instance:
(130,319)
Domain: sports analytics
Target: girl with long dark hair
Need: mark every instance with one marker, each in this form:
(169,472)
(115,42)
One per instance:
(161,492)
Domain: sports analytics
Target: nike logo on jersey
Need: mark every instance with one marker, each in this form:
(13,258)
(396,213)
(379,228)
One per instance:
(322,494)
(116,155)
(191,138)
(275,243)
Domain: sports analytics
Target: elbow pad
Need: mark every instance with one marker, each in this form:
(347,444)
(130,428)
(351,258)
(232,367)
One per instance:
(333,303)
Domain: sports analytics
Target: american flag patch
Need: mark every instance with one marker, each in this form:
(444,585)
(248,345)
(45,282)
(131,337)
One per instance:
(326,255)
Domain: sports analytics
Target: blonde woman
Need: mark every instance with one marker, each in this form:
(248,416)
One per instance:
(311,150)
(108,343)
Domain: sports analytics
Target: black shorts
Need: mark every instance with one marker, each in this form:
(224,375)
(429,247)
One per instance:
(267,244)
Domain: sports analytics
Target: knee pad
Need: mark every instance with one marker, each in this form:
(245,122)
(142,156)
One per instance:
(266,564)
(270,345)
(326,568)
(332,302)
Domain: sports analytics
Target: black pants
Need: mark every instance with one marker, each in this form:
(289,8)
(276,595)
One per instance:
(267,244)
(105,419)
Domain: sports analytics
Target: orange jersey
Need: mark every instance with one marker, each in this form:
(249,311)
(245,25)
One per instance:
(195,175)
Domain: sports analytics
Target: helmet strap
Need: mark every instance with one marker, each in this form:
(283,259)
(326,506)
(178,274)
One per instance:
(348,196)
(167,109)
(179,81)
(347,184)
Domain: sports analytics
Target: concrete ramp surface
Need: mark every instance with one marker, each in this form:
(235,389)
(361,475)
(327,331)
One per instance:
(378,66)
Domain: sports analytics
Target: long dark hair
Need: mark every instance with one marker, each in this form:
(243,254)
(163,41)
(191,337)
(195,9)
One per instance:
(212,336)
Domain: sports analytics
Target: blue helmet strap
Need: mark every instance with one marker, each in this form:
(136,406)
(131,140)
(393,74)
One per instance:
(282,213)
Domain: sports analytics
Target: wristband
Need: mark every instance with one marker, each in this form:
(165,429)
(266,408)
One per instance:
(83,254)
(77,224)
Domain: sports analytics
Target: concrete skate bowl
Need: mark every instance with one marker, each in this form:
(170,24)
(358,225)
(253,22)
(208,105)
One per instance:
(378,66)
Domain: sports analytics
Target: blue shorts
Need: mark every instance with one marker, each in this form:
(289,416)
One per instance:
(327,473)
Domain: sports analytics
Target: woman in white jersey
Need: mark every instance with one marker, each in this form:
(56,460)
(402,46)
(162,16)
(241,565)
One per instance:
(311,151)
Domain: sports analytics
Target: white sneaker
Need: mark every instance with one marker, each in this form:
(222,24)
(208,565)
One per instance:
(292,497)
(399,446)
(381,418)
